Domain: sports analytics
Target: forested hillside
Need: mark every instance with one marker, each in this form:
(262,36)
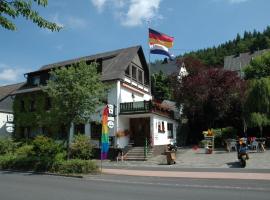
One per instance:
(249,41)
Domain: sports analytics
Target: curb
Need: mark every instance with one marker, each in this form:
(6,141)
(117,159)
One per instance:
(46,173)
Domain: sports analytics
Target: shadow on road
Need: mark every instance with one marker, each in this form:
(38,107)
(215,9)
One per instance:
(234,164)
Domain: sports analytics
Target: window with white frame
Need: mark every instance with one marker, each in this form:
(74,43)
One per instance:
(170,130)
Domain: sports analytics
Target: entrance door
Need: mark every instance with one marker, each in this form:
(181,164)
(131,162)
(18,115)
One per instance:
(140,130)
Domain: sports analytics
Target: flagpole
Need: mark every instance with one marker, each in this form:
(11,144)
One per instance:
(149,54)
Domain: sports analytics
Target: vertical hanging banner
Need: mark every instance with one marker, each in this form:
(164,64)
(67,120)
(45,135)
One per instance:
(107,123)
(105,134)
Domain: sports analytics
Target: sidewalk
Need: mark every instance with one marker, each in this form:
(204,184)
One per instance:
(197,175)
(189,158)
(196,164)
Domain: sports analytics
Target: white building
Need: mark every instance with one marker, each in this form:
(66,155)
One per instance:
(6,114)
(137,119)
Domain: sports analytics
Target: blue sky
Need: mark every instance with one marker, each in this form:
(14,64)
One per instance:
(94,26)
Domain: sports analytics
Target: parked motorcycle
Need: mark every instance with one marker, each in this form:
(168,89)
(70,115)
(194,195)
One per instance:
(243,160)
(172,147)
(243,154)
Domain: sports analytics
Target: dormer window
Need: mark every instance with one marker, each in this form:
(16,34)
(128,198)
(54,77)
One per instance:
(36,80)
(127,72)
(134,72)
(140,76)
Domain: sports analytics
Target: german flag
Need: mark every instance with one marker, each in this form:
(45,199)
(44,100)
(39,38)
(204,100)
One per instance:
(156,37)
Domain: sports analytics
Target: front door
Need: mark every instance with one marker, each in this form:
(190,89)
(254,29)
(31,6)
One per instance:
(140,130)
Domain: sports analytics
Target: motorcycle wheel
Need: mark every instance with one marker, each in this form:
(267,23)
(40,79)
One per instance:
(243,163)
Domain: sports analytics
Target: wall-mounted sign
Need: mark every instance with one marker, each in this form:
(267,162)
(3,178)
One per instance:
(10,118)
(111,116)
(10,129)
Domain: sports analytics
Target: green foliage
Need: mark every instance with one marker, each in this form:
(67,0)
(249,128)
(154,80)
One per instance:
(257,105)
(258,96)
(23,8)
(258,120)
(25,150)
(81,147)
(76,92)
(35,119)
(221,134)
(258,67)
(161,89)
(75,166)
(214,57)
(43,154)
(6,146)
(45,147)
(7,161)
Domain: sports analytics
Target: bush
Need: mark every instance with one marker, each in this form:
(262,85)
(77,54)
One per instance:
(81,147)
(222,134)
(44,152)
(76,166)
(7,161)
(45,147)
(7,146)
(25,150)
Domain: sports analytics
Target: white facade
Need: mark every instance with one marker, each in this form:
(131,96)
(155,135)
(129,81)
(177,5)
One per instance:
(130,90)
(6,124)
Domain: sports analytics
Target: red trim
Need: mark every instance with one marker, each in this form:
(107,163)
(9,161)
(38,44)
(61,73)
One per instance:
(131,88)
(161,37)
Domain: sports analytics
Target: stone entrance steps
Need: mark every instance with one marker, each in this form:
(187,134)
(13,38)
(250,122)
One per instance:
(137,154)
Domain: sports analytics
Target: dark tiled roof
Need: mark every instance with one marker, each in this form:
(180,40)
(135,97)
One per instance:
(113,65)
(5,98)
(236,63)
(8,89)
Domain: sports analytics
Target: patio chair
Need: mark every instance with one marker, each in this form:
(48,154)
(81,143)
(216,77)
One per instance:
(254,145)
(231,144)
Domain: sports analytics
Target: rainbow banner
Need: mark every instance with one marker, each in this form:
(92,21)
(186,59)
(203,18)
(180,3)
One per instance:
(105,134)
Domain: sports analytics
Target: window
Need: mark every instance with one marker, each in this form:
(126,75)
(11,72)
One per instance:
(140,76)
(79,129)
(22,108)
(36,80)
(127,72)
(134,72)
(95,130)
(170,130)
(32,106)
(48,103)
(161,127)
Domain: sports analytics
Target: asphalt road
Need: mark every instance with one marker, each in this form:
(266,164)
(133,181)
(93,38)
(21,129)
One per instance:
(25,186)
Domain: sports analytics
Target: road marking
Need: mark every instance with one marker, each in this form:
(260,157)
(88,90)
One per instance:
(218,187)
(201,175)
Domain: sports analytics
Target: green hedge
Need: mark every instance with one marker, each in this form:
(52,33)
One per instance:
(44,154)
(7,145)
(76,166)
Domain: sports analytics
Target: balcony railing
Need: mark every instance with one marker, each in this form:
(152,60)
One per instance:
(139,106)
(145,107)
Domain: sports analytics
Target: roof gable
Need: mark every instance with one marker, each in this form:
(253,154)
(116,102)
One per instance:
(113,63)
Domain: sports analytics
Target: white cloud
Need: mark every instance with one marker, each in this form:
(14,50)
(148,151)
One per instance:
(99,4)
(131,12)
(75,22)
(141,10)
(55,18)
(232,1)
(9,75)
(237,1)
(68,22)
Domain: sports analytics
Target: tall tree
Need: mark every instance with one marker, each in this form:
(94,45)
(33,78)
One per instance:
(76,92)
(209,97)
(257,105)
(161,86)
(259,67)
(11,9)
